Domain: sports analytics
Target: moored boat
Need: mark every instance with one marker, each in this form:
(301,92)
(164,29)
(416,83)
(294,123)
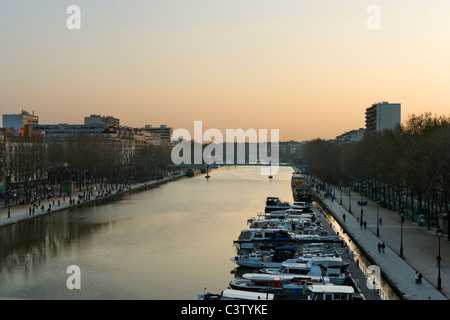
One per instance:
(331,267)
(232,294)
(254,237)
(263,282)
(275,204)
(260,258)
(330,292)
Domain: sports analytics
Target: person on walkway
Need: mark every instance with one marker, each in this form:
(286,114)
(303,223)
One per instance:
(343,217)
(379,247)
(420,277)
(365,224)
(417,277)
(383,247)
(380,221)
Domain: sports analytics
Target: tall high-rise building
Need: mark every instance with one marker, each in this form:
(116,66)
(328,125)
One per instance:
(381,116)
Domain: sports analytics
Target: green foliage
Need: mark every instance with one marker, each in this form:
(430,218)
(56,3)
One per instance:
(412,159)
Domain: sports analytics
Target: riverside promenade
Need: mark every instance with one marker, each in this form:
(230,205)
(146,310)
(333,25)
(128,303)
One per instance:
(19,213)
(420,247)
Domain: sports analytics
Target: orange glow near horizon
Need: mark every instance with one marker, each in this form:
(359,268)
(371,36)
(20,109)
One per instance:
(307,68)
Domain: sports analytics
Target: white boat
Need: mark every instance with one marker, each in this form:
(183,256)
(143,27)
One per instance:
(302,205)
(315,238)
(259,258)
(297,225)
(330,292)
(232,294)
(264,282)
(288,213)
(298,180)
(271,237)
(331,267)
(275,204)
(274,258)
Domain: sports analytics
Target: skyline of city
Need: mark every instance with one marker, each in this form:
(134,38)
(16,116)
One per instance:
(308,69)
(379,121)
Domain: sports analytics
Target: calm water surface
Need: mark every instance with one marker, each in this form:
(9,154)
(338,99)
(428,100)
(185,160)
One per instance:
(166,243)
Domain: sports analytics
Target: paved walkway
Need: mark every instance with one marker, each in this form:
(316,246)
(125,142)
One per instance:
(420,247)
(21,212)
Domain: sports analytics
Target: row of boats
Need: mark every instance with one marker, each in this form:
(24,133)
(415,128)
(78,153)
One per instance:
(286,253)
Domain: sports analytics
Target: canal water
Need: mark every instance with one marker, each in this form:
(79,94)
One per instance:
(166,243)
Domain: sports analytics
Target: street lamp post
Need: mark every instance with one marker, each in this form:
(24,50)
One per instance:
(361,204)
(378,219)
(350,199)
(439,235)
(402,219)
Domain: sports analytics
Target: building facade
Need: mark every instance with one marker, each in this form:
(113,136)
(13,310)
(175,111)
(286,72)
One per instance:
(381,116)
(99,119)
(162,133)
(65,130)
(351,136)
(19,121)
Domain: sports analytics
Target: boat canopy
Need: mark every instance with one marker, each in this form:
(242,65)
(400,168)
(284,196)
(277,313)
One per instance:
(282,253)
(327,262)
(283,277)
(329,288)
(233,294)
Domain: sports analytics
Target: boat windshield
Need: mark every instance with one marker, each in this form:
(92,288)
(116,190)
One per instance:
(245,235)
(282,269)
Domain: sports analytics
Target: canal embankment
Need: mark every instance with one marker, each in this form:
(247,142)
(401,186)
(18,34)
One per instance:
(360,261)
(80,198)
(399,275)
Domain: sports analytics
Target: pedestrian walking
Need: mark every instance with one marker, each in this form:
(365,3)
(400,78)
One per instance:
(379,247)
(380,221)
(417,277)
(420,277)
(383,247)
(365,224)
(343,217)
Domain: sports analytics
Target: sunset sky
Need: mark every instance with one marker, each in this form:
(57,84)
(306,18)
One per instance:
(309,68)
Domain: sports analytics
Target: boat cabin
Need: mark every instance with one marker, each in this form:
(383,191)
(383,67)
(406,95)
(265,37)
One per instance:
(330,292)
(248,237)
(232,294)
(295,268)
(327,262)
(275,204)
(274,282)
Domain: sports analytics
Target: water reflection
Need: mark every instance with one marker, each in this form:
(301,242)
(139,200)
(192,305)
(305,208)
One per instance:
(165,243)
(386,292)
